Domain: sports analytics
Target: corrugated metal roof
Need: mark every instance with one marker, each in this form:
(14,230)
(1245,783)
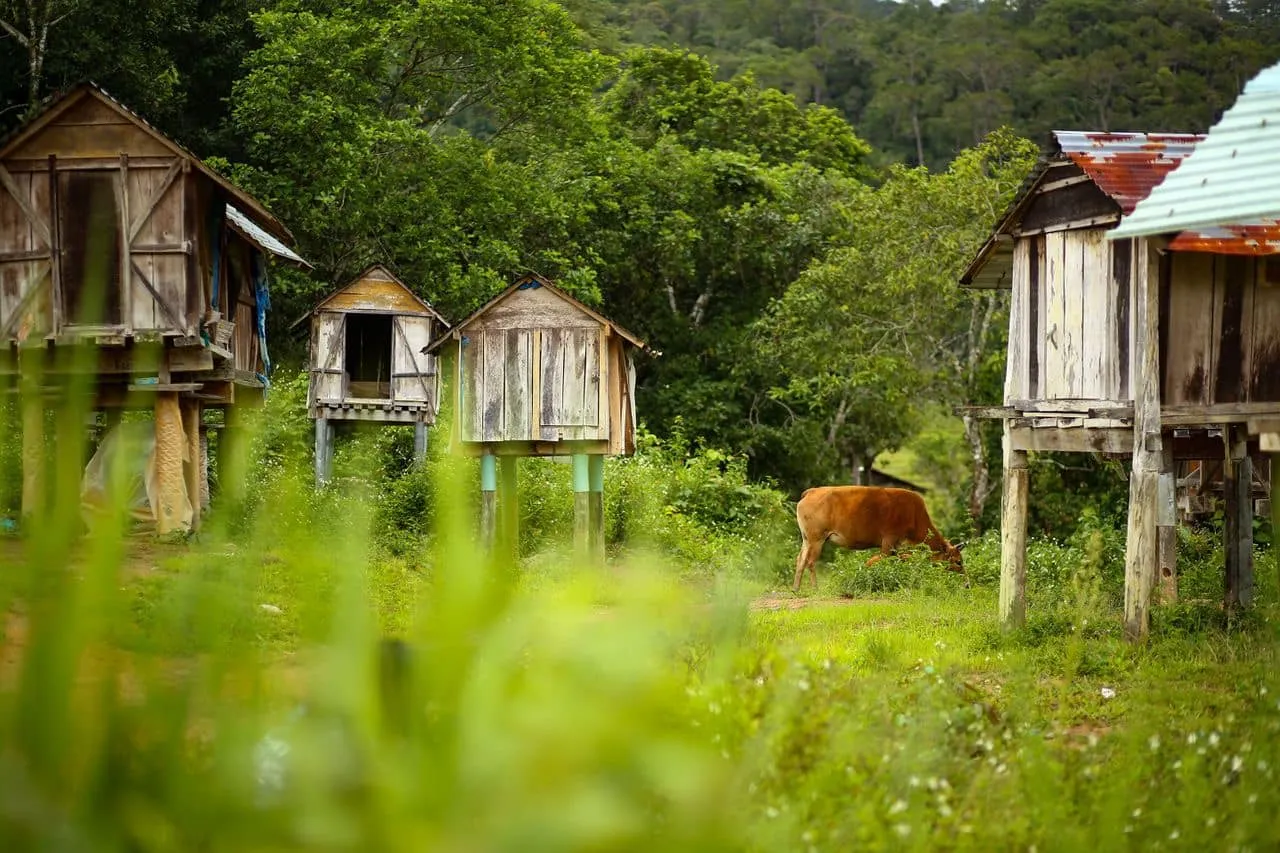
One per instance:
(1126,166)
(262,239)
(1233,177)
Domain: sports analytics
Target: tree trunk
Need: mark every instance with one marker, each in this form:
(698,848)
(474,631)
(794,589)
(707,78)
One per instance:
(857,470)
(915,128)
(980,489)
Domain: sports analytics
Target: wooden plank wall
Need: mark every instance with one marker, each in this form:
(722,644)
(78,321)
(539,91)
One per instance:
(327,355)
(1082,300)
(1221,338)
(24,284)
(1017,381)
(412,372)
(535,368)
(165,266)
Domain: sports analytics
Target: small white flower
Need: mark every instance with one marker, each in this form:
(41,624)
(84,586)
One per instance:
(1137,813)
(1191,738)
(914,781)
(807,837)
(898,807)
(1154,742)
(944,810)
(1108,693)
(1236,763)
(1213,739)
(902,829)
(1173,836)
(1211,821)
(1253,798)
(803,684)
(771,812)
(1177,765)
(1262,691)
(826,664)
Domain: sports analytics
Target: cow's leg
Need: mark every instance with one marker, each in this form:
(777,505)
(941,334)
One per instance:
(807,559)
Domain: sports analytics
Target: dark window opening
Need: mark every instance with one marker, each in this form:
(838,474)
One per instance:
(368,356)
(89,236)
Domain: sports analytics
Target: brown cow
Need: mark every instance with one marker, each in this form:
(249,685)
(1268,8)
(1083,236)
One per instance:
(857,517)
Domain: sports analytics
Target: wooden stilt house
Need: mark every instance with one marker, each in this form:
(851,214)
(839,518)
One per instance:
(537,373)
(121,246)
(1148,348)
(369,362)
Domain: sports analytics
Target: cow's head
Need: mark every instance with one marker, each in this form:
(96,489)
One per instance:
(955,560)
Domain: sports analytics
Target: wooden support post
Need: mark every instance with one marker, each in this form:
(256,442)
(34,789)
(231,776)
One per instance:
(1167,528)
(1237,487)
(324,451)
(595,509)
(1140,558)
(233,456)
(204,468)
(581,506)
(1013,535)
(172,508)
(419,441)
(509,508)
(488,498)
(191,411)
(34,466)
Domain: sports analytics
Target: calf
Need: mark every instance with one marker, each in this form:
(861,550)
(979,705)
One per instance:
(857,517)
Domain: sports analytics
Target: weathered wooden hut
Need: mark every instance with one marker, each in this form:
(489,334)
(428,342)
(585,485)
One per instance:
(115,238)
(1150,348)
(537,373)
(368,360)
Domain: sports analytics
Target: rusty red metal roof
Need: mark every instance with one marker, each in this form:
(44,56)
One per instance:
(1126,166)
(1261,238)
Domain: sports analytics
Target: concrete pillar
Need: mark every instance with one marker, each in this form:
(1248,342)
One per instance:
(1013,535)
(581,506)
(172,508)
(324,451)
(419,441)
(488,498)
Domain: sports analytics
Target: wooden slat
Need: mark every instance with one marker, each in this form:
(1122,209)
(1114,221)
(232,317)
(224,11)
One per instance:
(170,314)
(122,213)
(518,386)
(602,382)
(31,293)
(24,257)
(1055,378)
(1098,333)
(535,397)
(1016,378)
(552,381)
(1192,306)
(1263,376)
(38,223)
(494,421)
(472,370)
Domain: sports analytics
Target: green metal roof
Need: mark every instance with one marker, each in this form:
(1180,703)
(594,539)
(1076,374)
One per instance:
(1231,179)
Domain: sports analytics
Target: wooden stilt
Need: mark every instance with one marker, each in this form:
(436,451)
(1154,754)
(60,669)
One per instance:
(1013,536)
(419,441)
(191,411)
(581,506)
(233,458)
(488,498)
(34,467)
(1144,491)
(172,509)
(595,508)
(1237,486)
(1167,530)
(324,451)
(509,508)
(204,468)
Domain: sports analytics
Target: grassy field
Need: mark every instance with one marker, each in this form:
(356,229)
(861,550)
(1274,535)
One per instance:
(582,709)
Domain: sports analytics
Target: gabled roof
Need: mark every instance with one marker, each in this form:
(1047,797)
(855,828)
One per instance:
(364,274)
(1124,166)
(1229,187)
(532,280)
(61,102)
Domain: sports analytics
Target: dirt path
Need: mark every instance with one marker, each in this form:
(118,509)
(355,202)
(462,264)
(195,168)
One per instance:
(787,602)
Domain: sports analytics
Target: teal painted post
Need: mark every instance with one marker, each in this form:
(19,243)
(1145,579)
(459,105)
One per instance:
(488,495)
(596,507)
(582,506)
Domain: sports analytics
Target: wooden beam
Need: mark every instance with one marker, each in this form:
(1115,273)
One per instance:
(991,412)
(55,248)
(1013,535)
(170,485)
(191,468)
(1140,542)
(24,257)
(126,234)
(1091,222)
(1062,183)
(1237,487)
(1070,440)
(324,451)
(1167,529)
(488,499)
(37,221)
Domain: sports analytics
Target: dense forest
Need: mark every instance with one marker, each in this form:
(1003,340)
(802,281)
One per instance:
(776,194)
